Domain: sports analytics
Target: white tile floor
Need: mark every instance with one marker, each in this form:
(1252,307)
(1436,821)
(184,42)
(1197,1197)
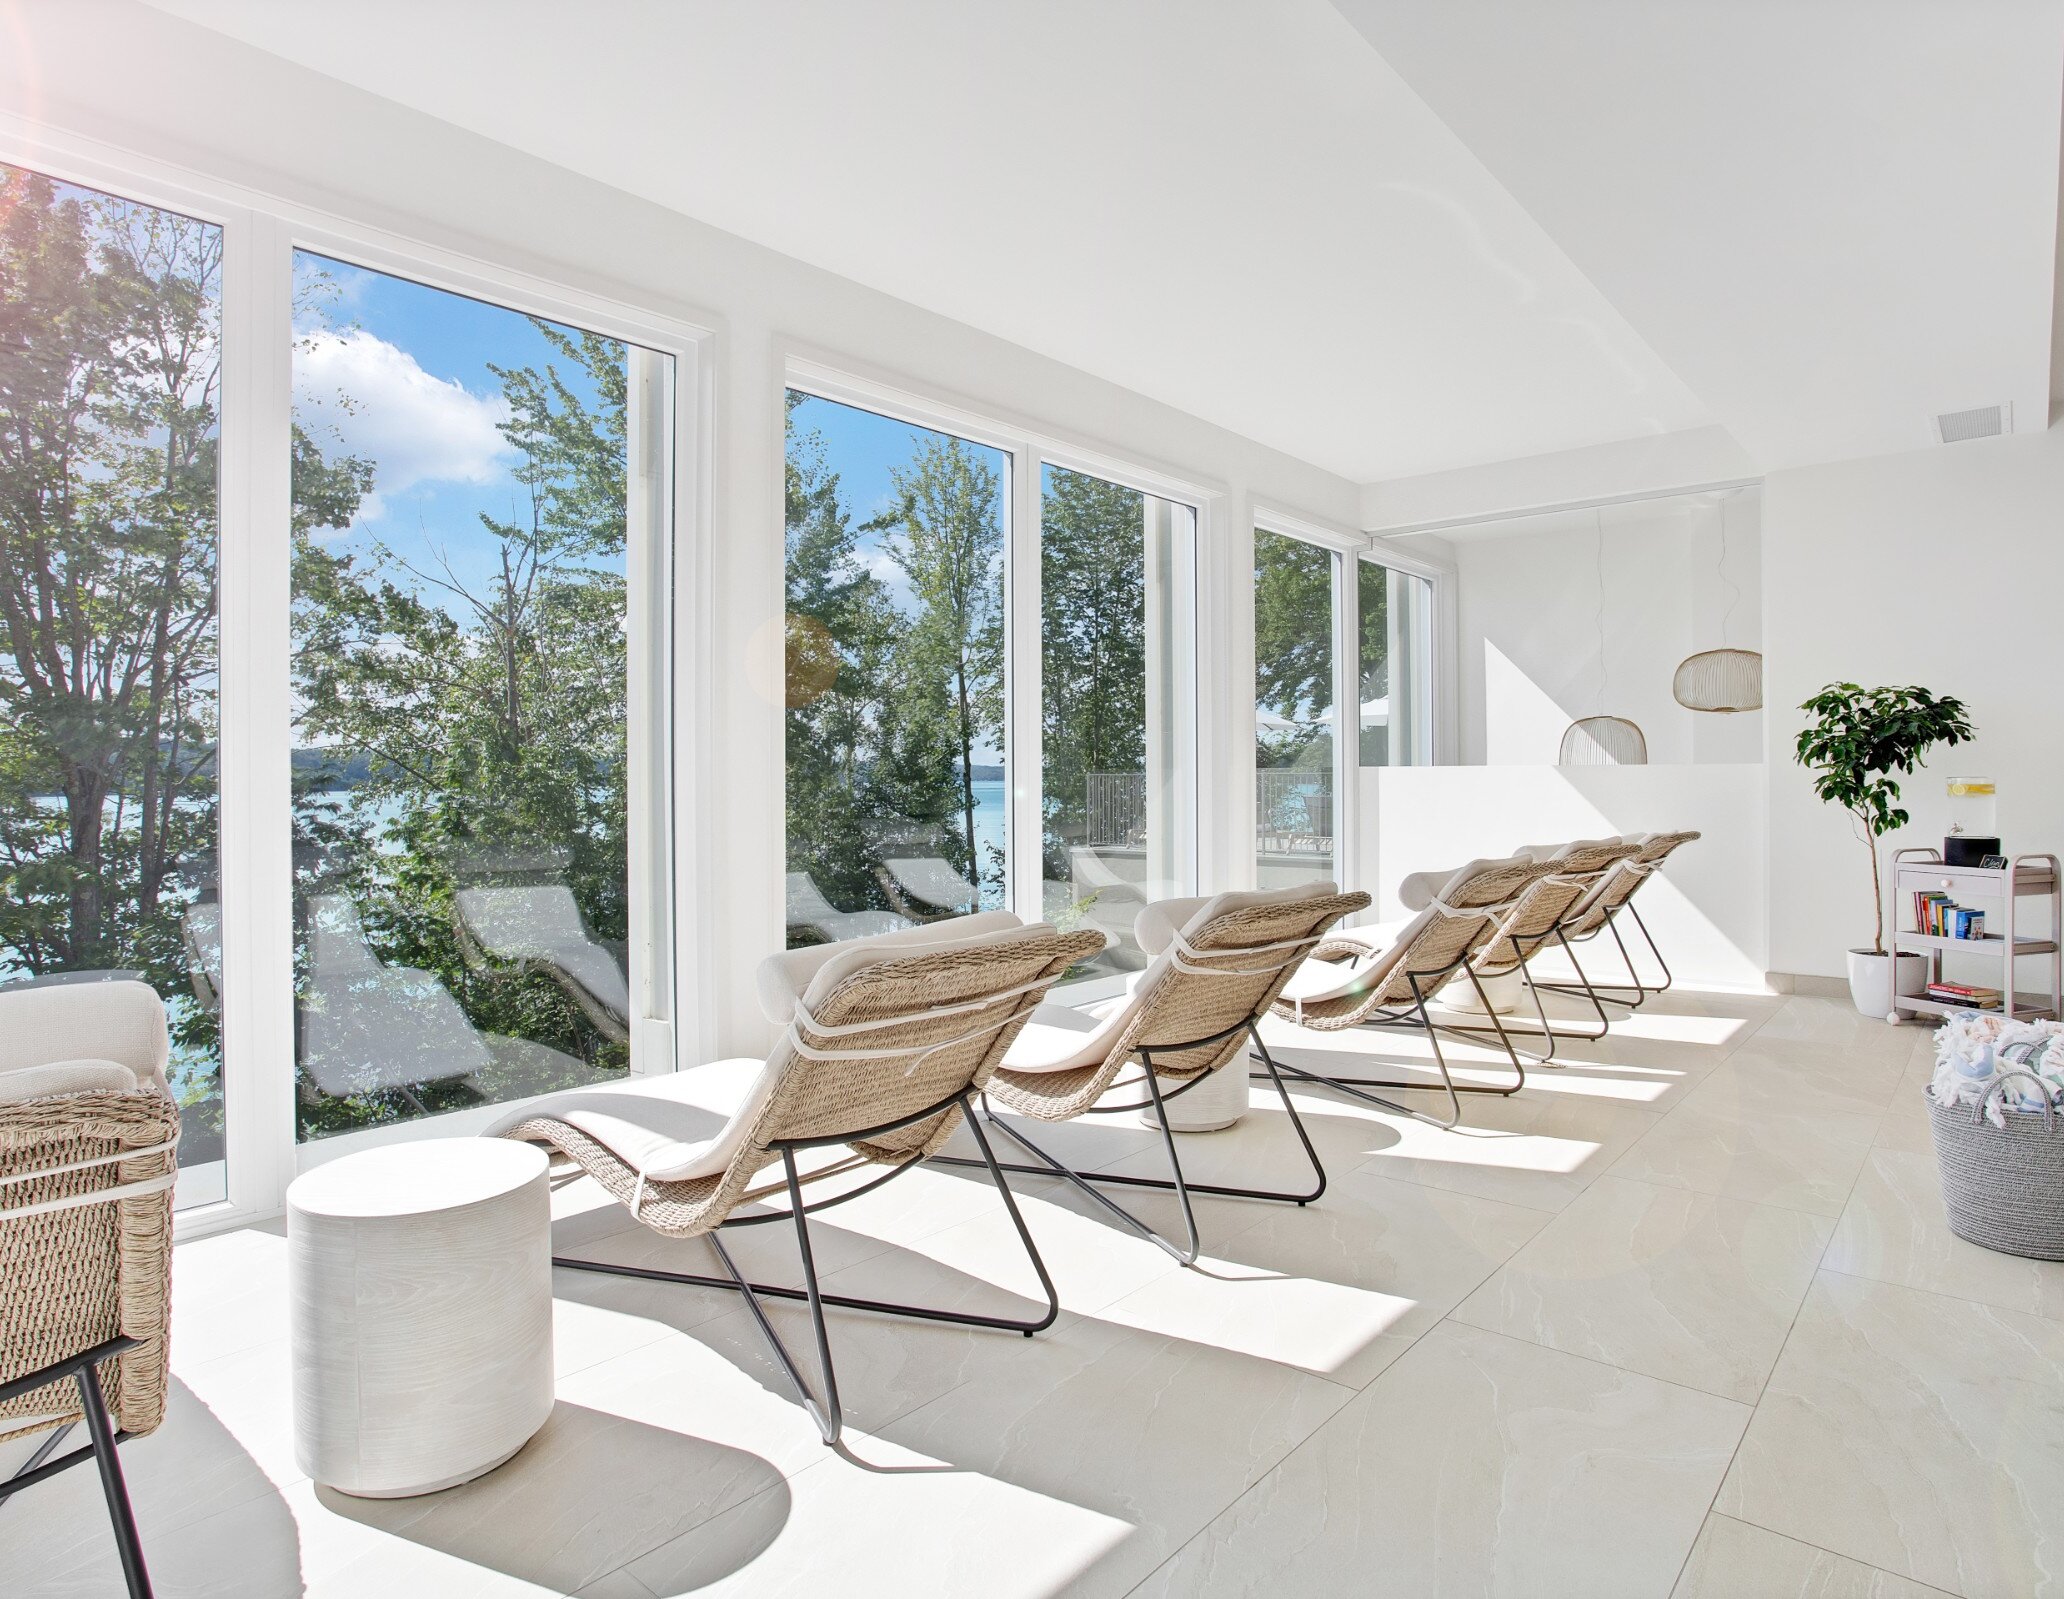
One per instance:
(1681,1319)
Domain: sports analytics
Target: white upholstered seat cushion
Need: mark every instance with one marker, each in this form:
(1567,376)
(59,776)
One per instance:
(121,1021)
(65,1077)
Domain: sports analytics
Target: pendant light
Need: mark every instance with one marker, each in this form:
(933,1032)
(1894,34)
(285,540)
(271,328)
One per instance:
(1602,740)
(1724,680)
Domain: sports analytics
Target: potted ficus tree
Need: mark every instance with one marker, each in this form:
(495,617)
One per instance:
(1859,742)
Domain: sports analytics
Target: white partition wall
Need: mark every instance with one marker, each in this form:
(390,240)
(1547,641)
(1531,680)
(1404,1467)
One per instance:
(1706,911)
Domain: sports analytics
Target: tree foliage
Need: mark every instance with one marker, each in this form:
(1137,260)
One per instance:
(109,377)
(1860,742)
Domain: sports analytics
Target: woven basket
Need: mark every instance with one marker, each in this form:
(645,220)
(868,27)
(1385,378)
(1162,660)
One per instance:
(2003,1187)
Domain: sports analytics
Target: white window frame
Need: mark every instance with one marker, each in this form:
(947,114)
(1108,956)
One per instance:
(1443,652)
(260,233)
(1027,447)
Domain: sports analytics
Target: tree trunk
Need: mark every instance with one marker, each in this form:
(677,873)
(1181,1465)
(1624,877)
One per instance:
(1877,892)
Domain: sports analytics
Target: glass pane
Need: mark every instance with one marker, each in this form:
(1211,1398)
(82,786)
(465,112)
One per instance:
(1396,667)
(1293,710)
(109,373)
(896,796)
(1115,652)
(460,626)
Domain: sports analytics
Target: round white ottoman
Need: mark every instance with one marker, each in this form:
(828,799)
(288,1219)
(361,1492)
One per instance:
(1214,1104)
(420,1280)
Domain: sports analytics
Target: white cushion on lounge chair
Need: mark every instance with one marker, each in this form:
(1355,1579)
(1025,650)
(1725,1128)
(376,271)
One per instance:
(65,1077)
(1058,1039)
(783,978)
(1382,946)
(1552,852)
(122,1020)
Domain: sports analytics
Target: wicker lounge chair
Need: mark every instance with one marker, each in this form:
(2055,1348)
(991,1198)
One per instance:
(1600,912)
(887,1042)
(538,927)
(928,889)
(88,1153)
(811,911)
(1385,978)
(1540,914)
(1217,964)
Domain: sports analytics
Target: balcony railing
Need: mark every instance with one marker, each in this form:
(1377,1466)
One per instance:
(1293,810)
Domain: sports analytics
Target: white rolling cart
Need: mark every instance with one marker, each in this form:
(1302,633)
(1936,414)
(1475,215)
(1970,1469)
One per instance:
(2004,887)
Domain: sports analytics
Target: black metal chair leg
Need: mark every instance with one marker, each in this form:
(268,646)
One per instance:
(1290,1109)
(830,1421)
(1182,1193)
(1010,1203)
(1669,979)
(1051,1167)
(102,1430)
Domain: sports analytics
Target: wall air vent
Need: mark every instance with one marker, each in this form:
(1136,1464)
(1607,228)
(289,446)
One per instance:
(1987,421)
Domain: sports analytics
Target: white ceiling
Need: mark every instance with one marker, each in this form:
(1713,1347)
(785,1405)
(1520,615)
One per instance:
(1832,218)
(1815,222)
(1236,208)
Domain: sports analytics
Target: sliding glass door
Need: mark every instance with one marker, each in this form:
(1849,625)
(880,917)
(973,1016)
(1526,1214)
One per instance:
(1395,624)
(110,379)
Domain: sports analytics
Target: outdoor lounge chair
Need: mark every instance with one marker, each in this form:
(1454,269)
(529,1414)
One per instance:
(809,909)
(368,1028)
(1600,911)
(928,889)
(1195,1010)
(1382,978)
(88,1142)
(887,1042)
(538,927)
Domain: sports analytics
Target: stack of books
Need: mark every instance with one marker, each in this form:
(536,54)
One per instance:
(1939,916)
(1965,995)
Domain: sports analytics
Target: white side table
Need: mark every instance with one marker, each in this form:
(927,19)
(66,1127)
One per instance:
(421,1309)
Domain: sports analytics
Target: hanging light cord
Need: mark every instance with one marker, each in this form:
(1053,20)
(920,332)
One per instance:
(1733,588)
(1603,671)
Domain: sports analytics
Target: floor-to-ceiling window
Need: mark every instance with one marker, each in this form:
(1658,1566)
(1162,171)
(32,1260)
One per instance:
(110,368)
(897,801)
(469,583)
(1395,625)
(1295,719)
(1115,647)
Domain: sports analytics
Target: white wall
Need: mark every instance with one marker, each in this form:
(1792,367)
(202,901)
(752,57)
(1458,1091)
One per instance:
(1942,567)
(146,84)
(1706,908)
(1528,621)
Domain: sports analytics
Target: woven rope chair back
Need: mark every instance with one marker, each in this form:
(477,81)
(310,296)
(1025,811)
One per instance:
(985,991)
(1495,885)
(74,1277)
(1235,966)
(1543,903)
(1655,850)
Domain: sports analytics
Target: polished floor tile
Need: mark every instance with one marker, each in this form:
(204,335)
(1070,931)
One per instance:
(1896,1230)
(1682,1286)
(1477,1464)
(1915,1432)
(1520,1357)
(1733,1560)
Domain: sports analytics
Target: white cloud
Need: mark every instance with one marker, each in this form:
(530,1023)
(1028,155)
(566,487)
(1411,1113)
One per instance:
(359,395)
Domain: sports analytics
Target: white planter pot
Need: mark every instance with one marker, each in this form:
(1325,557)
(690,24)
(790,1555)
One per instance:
(1504,993)
(1218,1101)
(1871,983)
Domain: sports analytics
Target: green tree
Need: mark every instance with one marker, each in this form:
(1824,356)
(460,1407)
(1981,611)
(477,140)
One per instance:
(1293,648)
(949,680)
(1093,640)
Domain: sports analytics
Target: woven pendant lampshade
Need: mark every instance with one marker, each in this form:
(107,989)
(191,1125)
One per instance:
(1720,680)
(1603,741)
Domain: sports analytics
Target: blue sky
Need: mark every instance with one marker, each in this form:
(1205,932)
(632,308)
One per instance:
(398,372)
